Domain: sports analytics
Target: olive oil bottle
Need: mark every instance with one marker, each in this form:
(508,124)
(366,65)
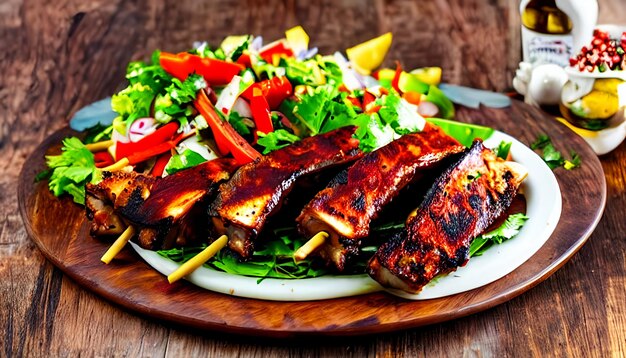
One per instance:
(552,29)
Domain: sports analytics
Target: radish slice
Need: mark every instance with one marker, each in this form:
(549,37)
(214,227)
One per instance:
(427,109)
(141,128)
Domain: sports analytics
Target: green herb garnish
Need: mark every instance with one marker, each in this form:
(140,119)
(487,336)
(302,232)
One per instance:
(277,139)
(503,149)
(71,170)
(506,231)
(553,158)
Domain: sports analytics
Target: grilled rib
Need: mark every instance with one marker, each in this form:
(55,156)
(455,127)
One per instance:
(354,198)
(156,206)
(257,189)
(463,202)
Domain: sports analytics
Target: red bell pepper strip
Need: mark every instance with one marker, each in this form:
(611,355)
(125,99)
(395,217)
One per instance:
(160,164)
(244,60)
(103,159)
(368,99)
(161,135)
(138,157)
(277,48)
(369,105)
(214,71)
(225,135)
(177,65)
(395,83)
(275,90)
(261,112)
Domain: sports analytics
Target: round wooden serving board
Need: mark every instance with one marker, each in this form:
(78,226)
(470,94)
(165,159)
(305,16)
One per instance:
(59,228)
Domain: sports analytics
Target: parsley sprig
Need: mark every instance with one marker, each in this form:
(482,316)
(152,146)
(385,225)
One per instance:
(553,158)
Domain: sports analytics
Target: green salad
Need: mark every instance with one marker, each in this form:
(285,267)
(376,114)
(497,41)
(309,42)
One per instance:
(244,99)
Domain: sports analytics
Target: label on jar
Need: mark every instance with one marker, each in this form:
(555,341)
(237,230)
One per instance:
(541,48)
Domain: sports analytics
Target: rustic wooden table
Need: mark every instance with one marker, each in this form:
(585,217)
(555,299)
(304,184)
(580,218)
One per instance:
(59,56)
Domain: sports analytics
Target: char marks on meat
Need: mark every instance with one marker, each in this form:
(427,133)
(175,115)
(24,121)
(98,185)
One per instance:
(463,202)
(158,207)
(257,189)
(346,208)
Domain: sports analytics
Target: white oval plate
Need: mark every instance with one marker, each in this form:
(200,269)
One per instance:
(543,198)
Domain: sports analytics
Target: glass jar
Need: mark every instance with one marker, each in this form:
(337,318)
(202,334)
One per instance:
(593,101)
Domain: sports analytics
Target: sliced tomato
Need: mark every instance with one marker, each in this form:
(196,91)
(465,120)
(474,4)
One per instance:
(275,90)
(214,71)
(275,49)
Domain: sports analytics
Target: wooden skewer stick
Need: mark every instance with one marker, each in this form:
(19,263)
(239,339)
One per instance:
(305,250)
(98,146)
(118,245)
(198,260)
(119,165)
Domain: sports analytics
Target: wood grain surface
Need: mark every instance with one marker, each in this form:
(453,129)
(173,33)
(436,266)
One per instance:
(61,55)
(130,283)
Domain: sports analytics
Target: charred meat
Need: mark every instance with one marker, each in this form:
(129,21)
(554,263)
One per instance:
(156,206)
(354,198)
(463,202)
(257,189)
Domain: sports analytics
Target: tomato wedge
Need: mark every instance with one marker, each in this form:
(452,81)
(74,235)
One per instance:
(226,138)
(275,90)
(275,49)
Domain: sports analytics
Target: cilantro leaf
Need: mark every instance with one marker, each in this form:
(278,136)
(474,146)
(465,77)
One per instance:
(506,231)
(237,121)
(503,149)
(177,100)
(553,158)
(541,142)
(275,140)
(576,162)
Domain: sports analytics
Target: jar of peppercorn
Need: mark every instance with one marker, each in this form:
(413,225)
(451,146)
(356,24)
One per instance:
(594,98)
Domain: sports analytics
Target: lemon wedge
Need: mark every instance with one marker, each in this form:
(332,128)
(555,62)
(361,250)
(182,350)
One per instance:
(428,75)
(297,38)
(609,85)
(370,54)
(585,133)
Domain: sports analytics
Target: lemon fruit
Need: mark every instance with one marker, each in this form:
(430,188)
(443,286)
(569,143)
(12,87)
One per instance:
(596,105)
(297,38)
(608,85)
(428,75)
(370,54)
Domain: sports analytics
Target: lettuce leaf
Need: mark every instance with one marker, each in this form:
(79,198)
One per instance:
(506,231)
(71,170)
